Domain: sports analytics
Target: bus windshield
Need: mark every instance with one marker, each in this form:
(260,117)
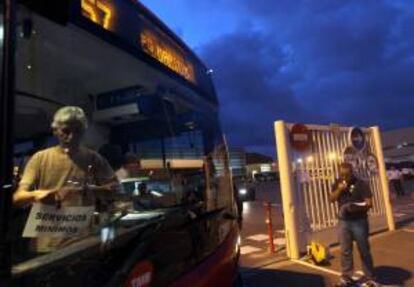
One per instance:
(150,160)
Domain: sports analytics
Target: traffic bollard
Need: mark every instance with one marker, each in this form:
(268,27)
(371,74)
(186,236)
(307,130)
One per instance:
(268,210)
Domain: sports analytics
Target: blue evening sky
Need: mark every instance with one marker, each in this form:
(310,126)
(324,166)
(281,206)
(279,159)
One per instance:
(312,61)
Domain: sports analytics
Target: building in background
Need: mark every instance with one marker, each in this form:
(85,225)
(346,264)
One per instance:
(261,167)
(238,161)
(398,145)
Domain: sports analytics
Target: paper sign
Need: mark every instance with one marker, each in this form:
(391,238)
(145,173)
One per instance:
(47,220)
(360,203)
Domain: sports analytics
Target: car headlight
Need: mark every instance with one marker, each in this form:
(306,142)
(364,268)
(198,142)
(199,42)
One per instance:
(156,193)
(243,191)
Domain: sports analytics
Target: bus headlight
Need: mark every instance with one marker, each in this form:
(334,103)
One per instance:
(242,191)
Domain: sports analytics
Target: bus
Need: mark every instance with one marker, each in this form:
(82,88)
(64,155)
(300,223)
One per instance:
(145,93)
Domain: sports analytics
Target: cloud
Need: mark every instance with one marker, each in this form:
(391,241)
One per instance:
(253,88)
(314,61)
(349,62)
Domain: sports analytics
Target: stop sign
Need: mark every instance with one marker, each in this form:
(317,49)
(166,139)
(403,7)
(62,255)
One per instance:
(300,137)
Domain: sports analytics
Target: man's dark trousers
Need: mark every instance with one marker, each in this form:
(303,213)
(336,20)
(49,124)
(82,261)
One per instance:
(357,230)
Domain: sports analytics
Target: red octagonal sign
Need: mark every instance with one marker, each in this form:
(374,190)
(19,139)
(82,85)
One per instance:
(300,137)
(141,275)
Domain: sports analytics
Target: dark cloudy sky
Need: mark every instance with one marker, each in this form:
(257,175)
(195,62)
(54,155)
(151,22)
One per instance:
(311,61)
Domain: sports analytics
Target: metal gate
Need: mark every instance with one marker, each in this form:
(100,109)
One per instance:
(308,171)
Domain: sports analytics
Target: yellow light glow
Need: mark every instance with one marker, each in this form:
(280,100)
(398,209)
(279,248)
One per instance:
(90,12)
(154,46)
(107,12)
(332,156)
(309,159)
(94,10)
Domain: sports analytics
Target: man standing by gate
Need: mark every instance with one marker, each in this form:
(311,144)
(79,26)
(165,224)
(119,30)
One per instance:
(354,200)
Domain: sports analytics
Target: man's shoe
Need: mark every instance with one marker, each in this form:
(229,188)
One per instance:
(359,276)
(369,283)
(345,282)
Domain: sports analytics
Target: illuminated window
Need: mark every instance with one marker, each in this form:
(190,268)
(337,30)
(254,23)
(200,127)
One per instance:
(166,54)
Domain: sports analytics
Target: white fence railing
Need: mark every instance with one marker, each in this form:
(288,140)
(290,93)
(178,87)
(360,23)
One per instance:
(307,176)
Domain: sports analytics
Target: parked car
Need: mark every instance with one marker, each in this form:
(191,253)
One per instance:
(245,189)
(408,173)
(406,167)
(266,176)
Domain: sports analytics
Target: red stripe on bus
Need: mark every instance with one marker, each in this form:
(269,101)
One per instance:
(219,269)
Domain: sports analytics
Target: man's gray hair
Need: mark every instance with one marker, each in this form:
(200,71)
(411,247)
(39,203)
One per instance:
(69,114)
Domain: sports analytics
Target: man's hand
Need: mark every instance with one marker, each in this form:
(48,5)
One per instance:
(43,194)
(342,186)
(67,191)
(368,200)
(110,187)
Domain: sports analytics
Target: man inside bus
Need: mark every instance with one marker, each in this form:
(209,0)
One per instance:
(354,200)
(51,174)
(130,167)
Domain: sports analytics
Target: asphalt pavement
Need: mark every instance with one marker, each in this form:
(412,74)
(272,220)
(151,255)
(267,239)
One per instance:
(393,252)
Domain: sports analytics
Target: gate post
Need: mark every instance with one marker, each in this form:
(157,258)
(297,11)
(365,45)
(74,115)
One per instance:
(287,190)
(383,178)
